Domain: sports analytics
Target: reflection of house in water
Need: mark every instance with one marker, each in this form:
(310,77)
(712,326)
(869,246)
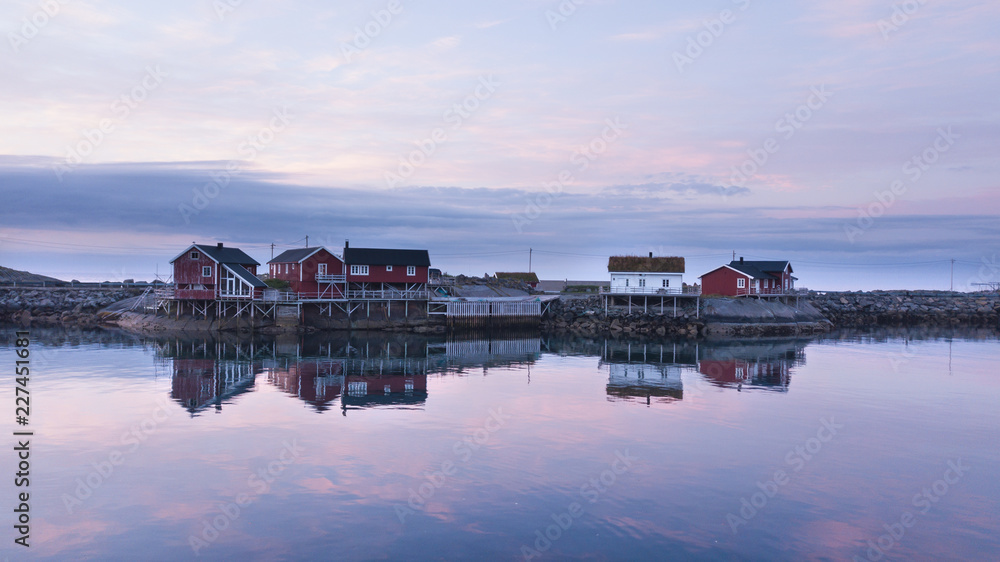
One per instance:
(766,365)
(362,371)
(209,373)
(315,381)
(461,355)
(645,371)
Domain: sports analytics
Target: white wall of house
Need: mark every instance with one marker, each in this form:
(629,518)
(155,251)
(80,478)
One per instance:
(632,282)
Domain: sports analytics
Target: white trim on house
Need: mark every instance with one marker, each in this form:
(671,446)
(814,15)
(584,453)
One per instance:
(359,269)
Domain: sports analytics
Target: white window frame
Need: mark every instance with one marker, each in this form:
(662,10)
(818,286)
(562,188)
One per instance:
(359,270)
(195,256)
(388,268)
(206,271)
(321,269)
(411,270)
(741,283)
(642,282)
(666,283)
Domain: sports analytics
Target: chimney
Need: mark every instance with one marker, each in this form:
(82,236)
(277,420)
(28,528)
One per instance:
(651,254)
(741,260)
(347,244)
(219,245)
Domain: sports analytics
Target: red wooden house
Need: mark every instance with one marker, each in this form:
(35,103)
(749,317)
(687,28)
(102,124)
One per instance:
(204,272)
(741,278)
(386,273)
(311,272)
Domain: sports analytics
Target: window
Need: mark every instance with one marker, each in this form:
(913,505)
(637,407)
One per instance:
(195,255)
(286,268)
(206,271)
(642,282)
(359,270)
(626,281)
(666,282)
(741,283)
(411,270)
(388,268)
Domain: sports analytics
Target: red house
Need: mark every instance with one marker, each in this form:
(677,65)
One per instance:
(204,272)
(385,273)
(741,278)
(311,272)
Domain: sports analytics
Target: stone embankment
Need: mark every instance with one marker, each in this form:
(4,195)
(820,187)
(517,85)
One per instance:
(718,317)
(57,305)
(908,308)
(586,316)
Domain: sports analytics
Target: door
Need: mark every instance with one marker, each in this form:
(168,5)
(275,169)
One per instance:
(756,285)
(321,269)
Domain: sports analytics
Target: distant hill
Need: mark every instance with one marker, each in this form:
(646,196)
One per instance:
(8,275)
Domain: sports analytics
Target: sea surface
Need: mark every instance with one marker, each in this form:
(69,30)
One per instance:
(852,446)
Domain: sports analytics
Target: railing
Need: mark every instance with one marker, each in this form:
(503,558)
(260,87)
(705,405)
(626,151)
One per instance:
(745,291)
(273,295)
(323,278)
(652,291)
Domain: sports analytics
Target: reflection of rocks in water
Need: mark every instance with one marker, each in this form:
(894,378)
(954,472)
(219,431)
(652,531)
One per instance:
(646,372)
(765,365)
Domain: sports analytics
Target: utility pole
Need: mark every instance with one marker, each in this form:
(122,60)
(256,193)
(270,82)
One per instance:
(272,250)
(952,274)
(529,259)
(734,255)
(307,240)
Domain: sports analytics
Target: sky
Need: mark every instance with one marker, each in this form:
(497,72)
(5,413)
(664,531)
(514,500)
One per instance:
(856,139)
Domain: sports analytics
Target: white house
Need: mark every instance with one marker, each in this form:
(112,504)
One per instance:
(646,275)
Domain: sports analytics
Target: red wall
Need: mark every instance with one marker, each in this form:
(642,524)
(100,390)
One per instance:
(378,274)
(188,271)
(722,281)
(306,271)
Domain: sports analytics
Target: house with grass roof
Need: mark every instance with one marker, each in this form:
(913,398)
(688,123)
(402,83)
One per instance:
(646,275)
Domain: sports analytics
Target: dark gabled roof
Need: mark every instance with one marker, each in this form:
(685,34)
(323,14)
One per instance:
(245,275)
(527,277)
(767,265)
(644,264)
(760,269)
(221,255)
(296,255)
(380,256)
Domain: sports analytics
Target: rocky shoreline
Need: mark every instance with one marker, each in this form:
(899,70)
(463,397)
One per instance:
(902,308)
(809,314)
(64,305)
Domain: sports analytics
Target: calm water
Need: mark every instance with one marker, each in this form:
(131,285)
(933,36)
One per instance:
(405,448)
